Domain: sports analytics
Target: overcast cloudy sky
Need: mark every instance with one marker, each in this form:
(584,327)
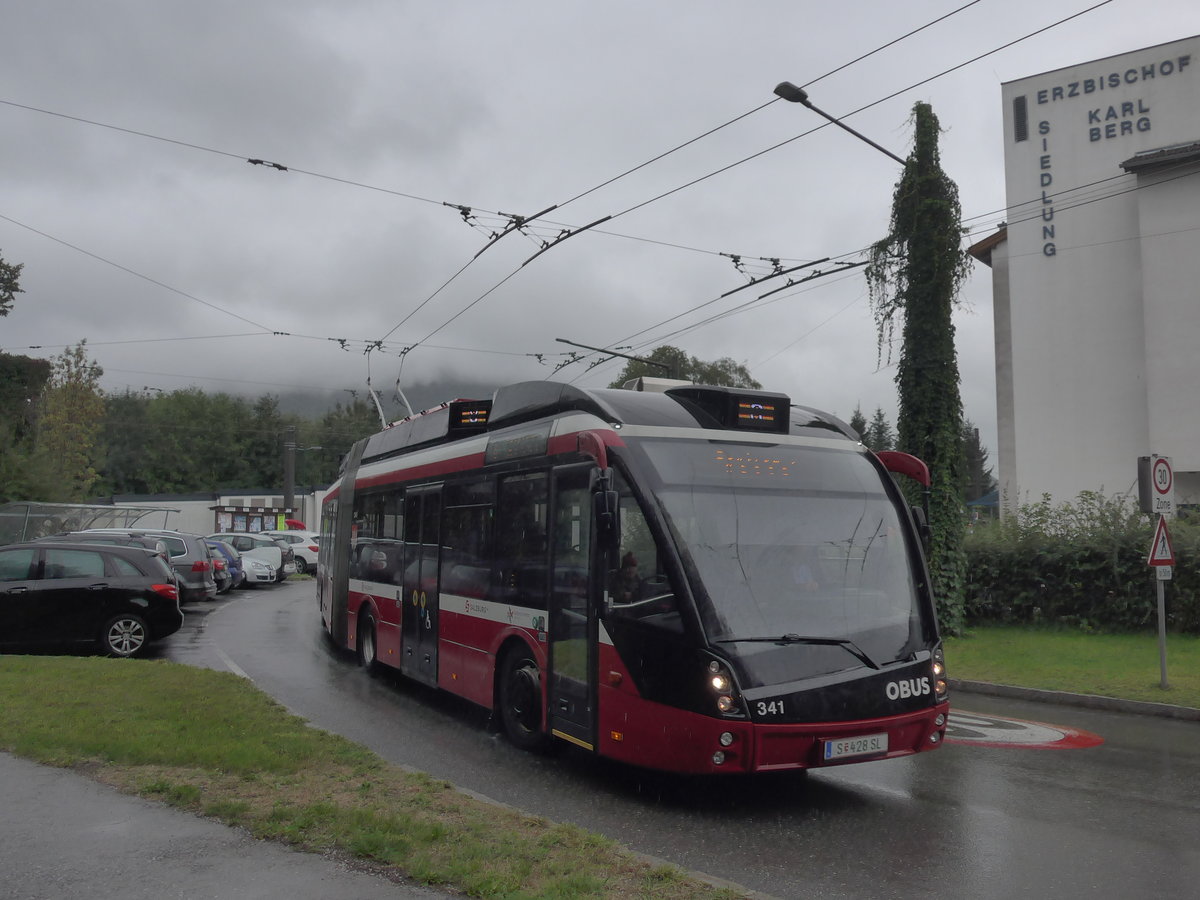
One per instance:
(126,193)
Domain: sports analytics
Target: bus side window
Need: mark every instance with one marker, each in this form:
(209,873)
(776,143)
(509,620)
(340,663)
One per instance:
(519,564)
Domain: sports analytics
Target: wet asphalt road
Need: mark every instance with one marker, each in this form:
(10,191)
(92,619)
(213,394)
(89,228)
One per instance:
(1121,819)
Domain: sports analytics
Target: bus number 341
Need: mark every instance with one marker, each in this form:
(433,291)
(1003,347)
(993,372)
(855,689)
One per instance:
(770,708)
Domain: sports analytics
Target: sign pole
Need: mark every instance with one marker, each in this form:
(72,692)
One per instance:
(1156,496)
(1162,636)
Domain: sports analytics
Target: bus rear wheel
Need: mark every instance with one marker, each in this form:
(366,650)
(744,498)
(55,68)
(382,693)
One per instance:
(520,697)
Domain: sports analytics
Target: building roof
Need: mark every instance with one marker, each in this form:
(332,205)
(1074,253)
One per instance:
(1150,160)
(982,250)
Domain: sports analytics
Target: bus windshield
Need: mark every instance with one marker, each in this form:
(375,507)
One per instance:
(791,544)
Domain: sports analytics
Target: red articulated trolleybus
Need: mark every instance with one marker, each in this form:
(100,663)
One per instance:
(689,578)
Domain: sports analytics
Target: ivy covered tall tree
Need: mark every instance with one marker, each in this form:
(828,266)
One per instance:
(914,276)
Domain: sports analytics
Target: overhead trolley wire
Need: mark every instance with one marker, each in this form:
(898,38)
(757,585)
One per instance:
(891,43)
(136,274)
(469,306)
(869,106)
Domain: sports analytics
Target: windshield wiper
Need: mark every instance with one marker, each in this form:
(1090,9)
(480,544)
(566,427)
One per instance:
(844,643)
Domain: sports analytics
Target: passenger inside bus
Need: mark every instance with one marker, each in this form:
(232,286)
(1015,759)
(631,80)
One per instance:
(628,582)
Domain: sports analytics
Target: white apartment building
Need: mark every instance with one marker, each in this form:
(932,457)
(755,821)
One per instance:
(1096,276)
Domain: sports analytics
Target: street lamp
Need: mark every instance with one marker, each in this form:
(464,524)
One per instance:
(793,94)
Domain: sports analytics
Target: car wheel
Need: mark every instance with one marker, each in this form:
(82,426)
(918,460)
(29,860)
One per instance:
(301,566)
(124,636)
(520,693)
(368,647)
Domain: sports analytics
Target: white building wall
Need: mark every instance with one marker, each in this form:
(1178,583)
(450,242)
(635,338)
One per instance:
(1170,250)
(1089,287)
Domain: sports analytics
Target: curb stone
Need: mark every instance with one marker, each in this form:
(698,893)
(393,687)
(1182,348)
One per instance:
(1088,701)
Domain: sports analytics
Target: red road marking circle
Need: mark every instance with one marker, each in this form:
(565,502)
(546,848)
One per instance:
(1001,731)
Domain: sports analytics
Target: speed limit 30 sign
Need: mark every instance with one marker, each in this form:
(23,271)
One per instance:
(1156,485)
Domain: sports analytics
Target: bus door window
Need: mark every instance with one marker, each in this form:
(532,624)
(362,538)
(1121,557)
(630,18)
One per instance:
(422,518)
(639,587)
(519,573)
(571,555)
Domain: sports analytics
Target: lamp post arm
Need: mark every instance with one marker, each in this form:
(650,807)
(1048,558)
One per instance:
(793,94)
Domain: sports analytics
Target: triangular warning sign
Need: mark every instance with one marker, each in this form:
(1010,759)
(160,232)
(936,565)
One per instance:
(1161,552)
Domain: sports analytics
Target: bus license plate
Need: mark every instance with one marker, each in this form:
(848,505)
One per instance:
(864,745)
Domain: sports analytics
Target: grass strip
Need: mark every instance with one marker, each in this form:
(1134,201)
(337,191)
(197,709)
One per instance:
(1125,666)
(211,743)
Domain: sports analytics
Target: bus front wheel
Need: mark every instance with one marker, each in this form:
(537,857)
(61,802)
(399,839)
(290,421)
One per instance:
(520,697)
(368,647)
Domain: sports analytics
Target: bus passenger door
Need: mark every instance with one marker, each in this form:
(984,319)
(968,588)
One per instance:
(572,625)
(422,521)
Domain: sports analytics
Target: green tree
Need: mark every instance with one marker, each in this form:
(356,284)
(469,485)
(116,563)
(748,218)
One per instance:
(724,371)
(335,434)
(22,380)
(859,423)
(914,276)
(879,434)
(18,479)
(67,435)
(22,383)
(978,478)
(10,284)
(128,441)
(264,444)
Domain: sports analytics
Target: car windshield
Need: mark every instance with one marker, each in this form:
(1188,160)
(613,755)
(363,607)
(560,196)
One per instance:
(797,544)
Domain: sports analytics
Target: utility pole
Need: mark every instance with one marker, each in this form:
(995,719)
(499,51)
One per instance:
(289,468)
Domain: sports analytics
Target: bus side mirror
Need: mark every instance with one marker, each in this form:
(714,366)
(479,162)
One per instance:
(607,510)
(923,529)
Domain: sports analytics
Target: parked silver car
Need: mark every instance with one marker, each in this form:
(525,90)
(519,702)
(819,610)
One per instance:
(258,546)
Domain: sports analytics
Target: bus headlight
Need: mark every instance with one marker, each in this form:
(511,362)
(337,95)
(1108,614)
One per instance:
(720,682)
(938,670)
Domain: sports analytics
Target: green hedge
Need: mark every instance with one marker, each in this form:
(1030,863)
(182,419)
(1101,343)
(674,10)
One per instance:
(1080,564)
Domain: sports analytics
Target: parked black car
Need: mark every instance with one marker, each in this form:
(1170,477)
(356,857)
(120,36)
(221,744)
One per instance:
(134,539)
(116,598)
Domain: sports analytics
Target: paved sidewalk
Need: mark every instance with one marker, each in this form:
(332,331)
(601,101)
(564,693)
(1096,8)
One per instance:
(63,835)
